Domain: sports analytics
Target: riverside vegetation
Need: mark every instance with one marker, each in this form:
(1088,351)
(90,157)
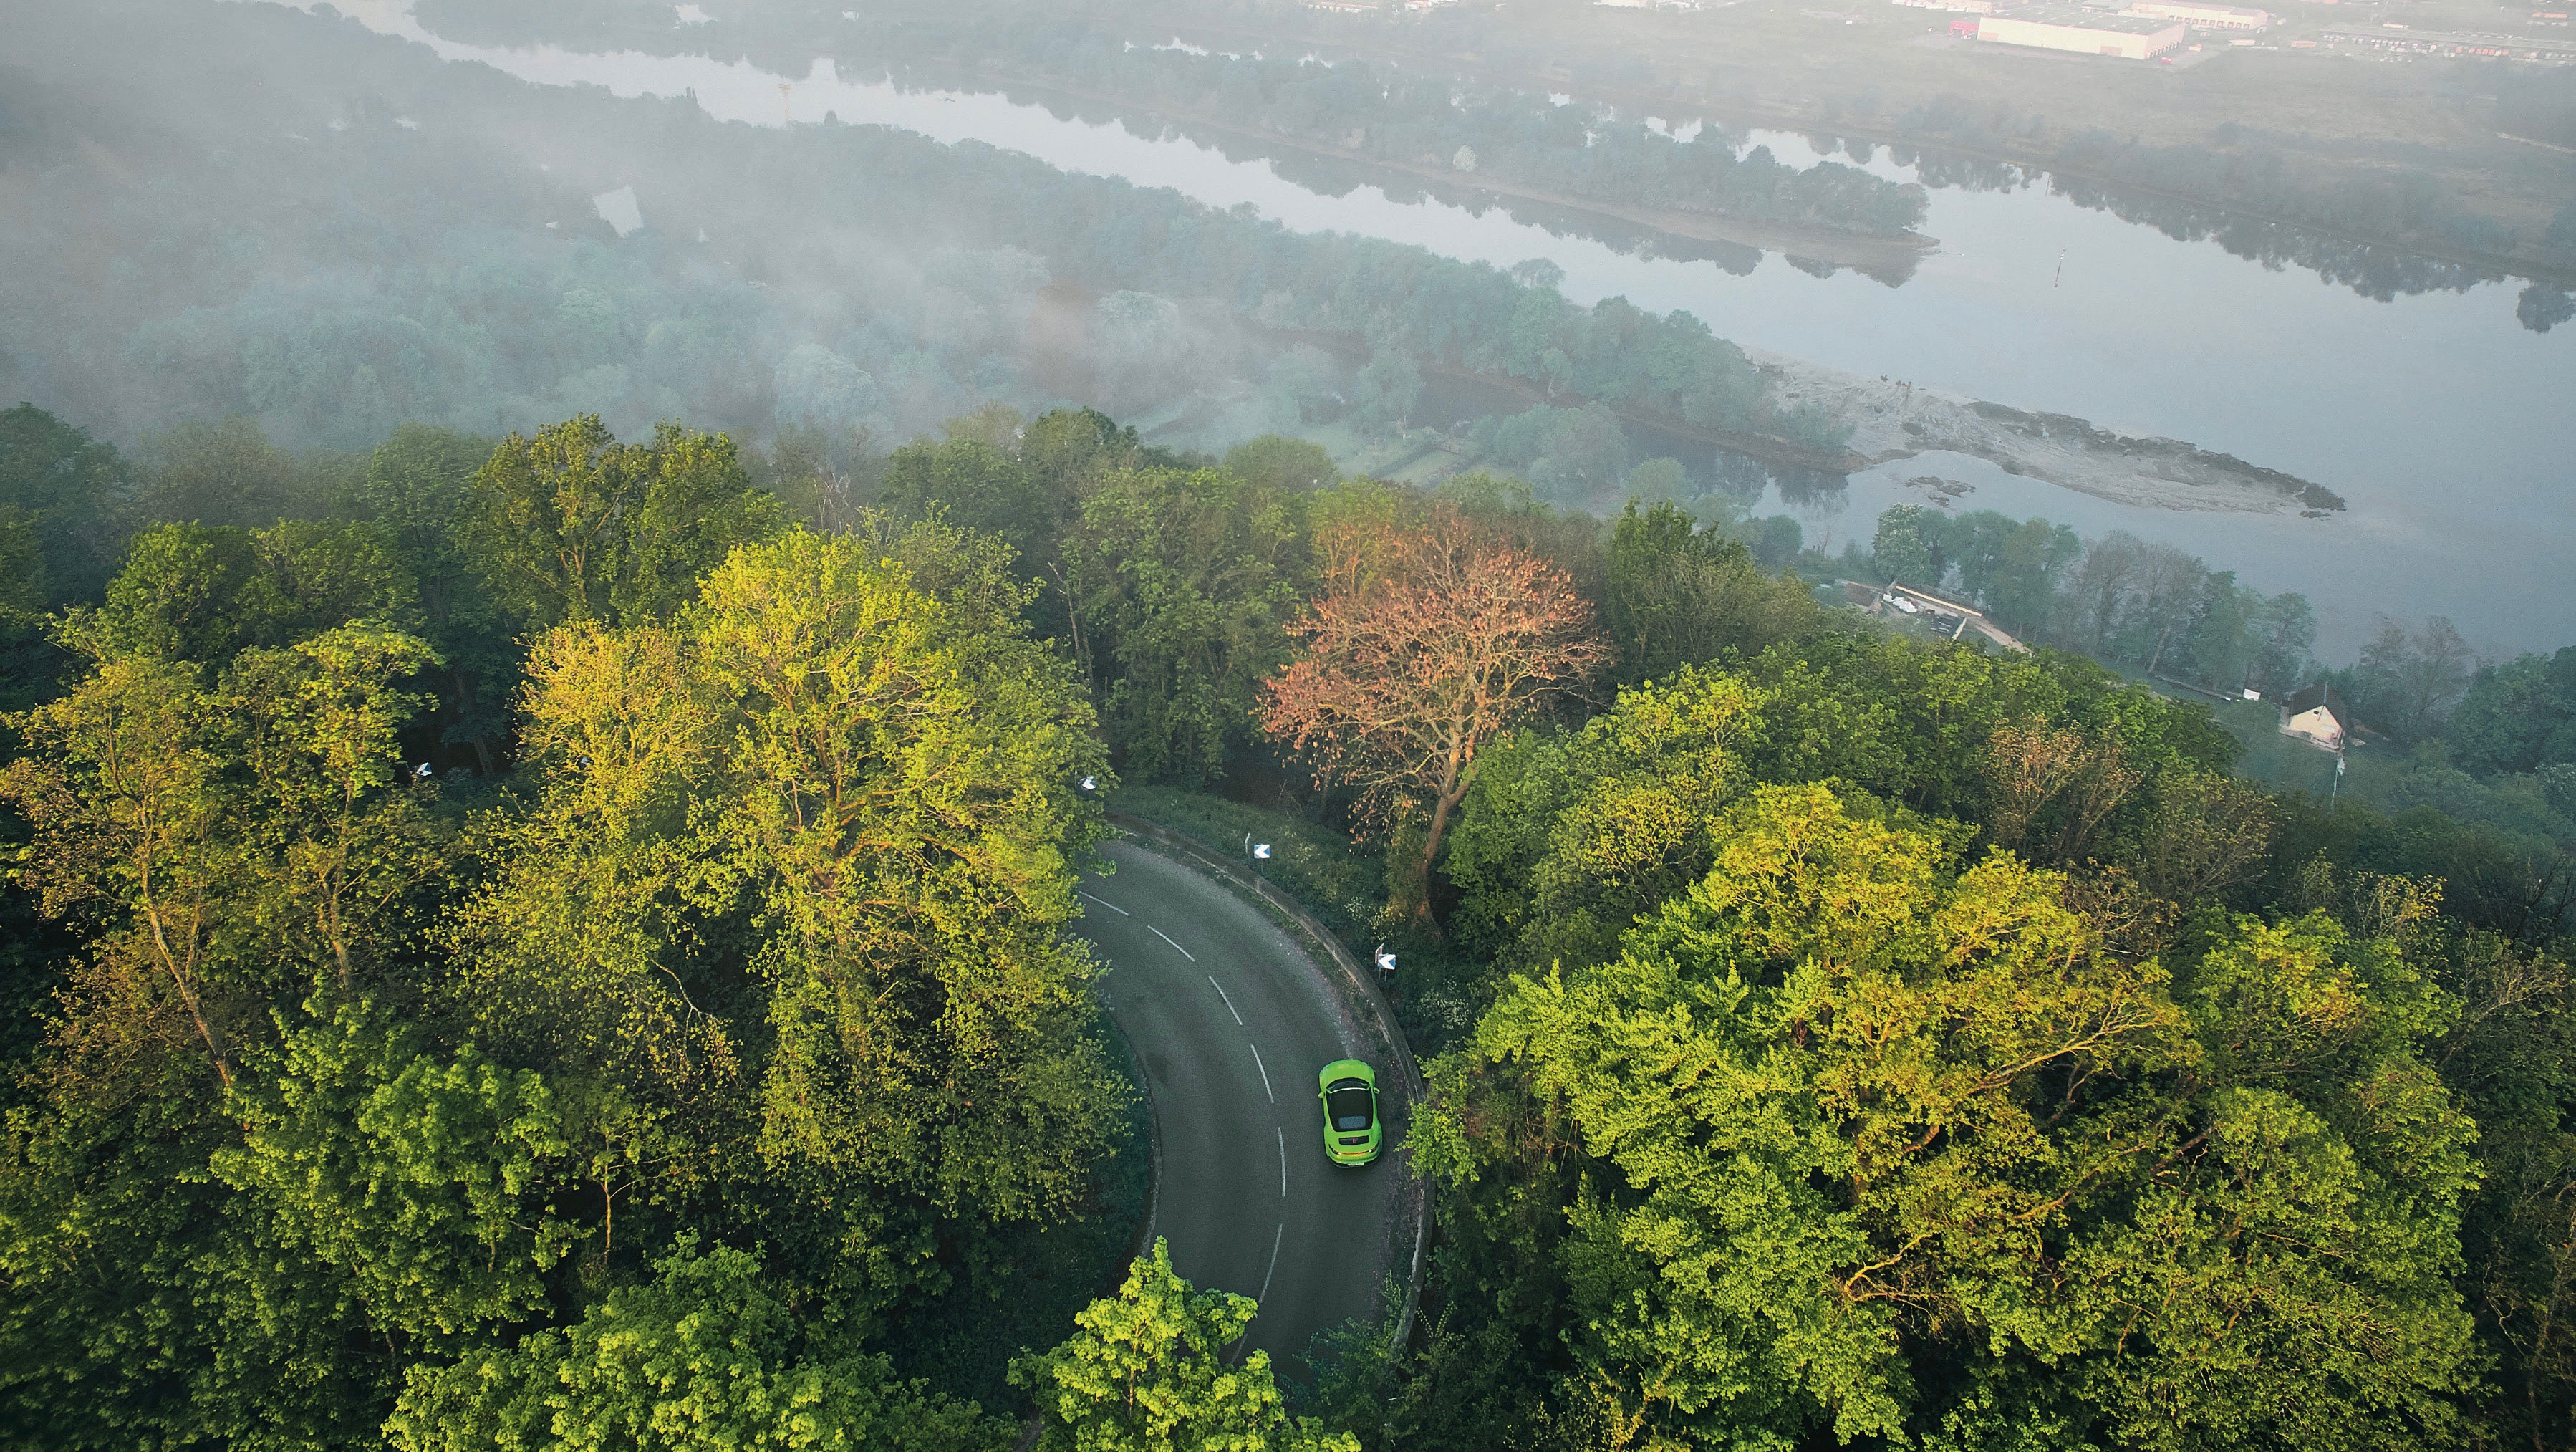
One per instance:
(555,942)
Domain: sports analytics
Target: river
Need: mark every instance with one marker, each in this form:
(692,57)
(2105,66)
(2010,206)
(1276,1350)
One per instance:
(2445,425)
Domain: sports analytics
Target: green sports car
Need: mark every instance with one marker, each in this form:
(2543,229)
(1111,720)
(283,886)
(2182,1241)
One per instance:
(1349,1091)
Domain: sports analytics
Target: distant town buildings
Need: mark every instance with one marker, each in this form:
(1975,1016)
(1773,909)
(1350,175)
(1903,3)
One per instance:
(2399,40)
(2135,33)
(2200,15)
(2111,35)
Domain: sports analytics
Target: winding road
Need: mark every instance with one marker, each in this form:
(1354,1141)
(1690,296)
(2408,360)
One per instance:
(1232,1018)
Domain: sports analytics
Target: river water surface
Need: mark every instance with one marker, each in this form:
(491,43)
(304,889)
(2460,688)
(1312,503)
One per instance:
(2447,427)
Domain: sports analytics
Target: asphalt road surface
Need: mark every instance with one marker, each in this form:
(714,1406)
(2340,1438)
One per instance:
(1233,1020)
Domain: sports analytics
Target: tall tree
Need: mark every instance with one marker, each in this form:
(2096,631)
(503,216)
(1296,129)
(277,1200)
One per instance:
(2407,681)
(1911,545)
(1149,1369)
(822,746)
(1427,642)
(218,472)
(240,842)
(1678,595)
(2518,716)
(419,485)
(1181,583)
(571,525)
(72,493)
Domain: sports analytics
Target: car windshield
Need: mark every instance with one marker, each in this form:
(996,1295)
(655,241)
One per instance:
(1347,1102)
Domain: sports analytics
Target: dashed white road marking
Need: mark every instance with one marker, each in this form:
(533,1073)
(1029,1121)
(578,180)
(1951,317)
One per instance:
(1229,1001)
(1275,1237)
(1113,907)
(1166,937)
(1265,1072)
(1283,1162)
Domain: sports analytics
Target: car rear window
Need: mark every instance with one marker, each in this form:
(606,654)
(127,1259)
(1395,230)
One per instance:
(1348,1104)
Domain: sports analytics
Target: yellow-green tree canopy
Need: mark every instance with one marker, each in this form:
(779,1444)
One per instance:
(819,749)
(1152,1369)
(571,525)
(1853,1124)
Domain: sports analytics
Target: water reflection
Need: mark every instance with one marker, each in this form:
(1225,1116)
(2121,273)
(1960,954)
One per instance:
(2375,271)
(1811,493)
(1338,177)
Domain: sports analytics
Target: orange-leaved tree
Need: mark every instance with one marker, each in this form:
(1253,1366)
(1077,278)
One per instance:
(1427,641)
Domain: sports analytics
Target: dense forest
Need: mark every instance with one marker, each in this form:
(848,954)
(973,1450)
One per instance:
(564,942)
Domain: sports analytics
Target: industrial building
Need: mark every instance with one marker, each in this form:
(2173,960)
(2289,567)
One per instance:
(2200,15)
(2110,35)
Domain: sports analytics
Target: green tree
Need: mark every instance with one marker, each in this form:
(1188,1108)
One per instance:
(571,525)
(1911,545)
(820,744)
(1676,595)
(22,572)
(419,486)
(423,1182)
(2511,1057)
(2518,716)
(2011,568)
(201,594)
(70,493)
(331,831)
(216,473)
(1565,839)
(1148,1370)
(1182,584)
(138,1305)
(225,836)
(704,1356)
(2406,682)
(1388,388)
(973,483)
(1282,465)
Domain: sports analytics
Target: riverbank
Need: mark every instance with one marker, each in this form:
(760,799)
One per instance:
(1868,252)
(1774,65)
(1892,419)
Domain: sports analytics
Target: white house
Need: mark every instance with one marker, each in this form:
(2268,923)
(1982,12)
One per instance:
(2317,716)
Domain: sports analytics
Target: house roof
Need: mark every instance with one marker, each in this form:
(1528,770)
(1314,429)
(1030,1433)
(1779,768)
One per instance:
(2320,694)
